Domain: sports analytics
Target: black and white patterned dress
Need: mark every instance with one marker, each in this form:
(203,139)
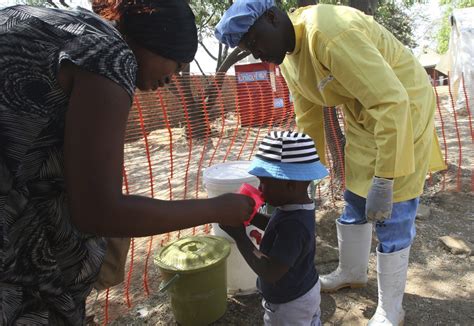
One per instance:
(47,267)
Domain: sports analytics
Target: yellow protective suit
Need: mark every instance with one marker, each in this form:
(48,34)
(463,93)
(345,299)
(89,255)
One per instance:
(344,57)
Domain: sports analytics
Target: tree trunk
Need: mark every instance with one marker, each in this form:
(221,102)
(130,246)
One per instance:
(198,126)
(199,122)
(336,141)
(304,3)
(52,4)
(369,7)
(214,87)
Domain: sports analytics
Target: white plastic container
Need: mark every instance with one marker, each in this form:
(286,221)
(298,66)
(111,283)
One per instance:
(224,178)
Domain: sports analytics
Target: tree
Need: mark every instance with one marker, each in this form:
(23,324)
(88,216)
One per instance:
(208,14)
(45,3)
(367,6)
(445,30)
(393,17)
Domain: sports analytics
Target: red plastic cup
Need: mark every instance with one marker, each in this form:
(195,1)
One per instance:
(256,195)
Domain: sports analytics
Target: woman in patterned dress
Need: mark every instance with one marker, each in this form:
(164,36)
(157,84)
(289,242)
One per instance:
(67,80)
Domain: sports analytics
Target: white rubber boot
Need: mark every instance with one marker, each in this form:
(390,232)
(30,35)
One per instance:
(354,249)
(391,278)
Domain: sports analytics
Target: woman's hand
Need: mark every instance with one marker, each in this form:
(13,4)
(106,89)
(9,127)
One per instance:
(233,209)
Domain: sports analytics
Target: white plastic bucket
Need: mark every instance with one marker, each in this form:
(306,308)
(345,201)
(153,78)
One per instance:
(227,177)
(224,178)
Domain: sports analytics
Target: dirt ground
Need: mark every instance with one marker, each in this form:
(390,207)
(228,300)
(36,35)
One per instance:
(440,284)
(439,291)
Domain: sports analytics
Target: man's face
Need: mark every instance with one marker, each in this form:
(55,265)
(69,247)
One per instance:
(265,40)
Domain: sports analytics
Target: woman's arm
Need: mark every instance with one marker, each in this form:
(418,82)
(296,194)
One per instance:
(93,147)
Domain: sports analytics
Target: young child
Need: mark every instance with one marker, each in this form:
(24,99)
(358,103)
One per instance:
(285,165)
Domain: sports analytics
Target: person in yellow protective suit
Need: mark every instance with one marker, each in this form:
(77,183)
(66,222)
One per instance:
(336,55)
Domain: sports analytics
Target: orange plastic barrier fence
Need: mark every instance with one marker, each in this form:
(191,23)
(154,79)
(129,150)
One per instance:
(175,133)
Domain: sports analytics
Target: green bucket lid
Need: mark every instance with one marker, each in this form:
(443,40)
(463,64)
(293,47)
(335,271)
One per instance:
(192,254)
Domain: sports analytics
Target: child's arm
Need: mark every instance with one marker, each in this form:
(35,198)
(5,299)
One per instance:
(260,221)
(265,267)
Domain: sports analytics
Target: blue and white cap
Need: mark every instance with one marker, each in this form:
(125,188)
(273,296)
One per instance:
(238,19)
(288,155)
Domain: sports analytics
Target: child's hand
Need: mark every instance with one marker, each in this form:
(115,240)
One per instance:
(234,209)
(234,232)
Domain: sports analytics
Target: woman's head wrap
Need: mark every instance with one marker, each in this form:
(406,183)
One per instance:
(165,27)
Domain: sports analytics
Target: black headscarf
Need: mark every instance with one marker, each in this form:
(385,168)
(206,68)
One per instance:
(166,27)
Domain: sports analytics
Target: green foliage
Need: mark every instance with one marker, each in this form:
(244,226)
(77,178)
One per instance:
(36,2)
(43,3)
(445,30)
(393,17)
(409,3)
(208,13)
(458,3)
(390,15)
(290,4)
(46,3)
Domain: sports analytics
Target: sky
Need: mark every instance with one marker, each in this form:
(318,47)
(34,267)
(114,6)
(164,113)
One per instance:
(427,18)
(426,23)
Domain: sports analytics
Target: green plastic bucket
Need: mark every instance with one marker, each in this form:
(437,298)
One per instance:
(194,271)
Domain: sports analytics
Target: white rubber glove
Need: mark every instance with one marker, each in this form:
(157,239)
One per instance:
(379,202)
